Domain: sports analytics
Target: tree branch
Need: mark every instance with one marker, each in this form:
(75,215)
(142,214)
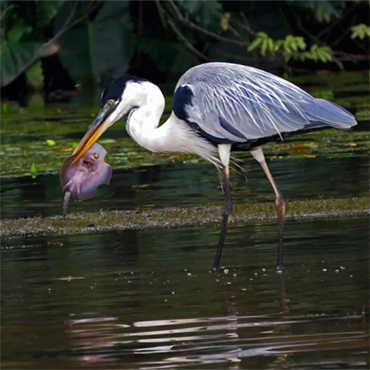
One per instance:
(5,11)
(52,41)
(186,41)
(192,25)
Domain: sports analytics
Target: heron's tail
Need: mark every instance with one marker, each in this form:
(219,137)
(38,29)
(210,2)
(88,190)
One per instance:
(325,113)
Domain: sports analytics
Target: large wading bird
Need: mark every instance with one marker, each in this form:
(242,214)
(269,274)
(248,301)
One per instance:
(217,108)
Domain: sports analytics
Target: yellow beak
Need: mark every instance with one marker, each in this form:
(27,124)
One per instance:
(99,126)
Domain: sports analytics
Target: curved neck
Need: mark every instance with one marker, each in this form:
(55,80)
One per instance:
(174,136)
(143,120)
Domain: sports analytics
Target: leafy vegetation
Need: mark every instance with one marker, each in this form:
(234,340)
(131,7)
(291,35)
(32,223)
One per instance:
(304,32)
(21,44)
(292,47)
(96,40)
(360,31)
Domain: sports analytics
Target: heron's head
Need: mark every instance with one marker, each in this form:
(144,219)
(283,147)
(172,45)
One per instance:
(117,99)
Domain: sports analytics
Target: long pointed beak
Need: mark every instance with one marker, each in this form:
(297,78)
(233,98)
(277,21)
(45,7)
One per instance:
(100,125)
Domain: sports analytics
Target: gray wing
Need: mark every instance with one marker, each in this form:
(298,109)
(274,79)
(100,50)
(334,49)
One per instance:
(241,103)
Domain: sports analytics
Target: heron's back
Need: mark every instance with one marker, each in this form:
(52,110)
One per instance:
(231,103)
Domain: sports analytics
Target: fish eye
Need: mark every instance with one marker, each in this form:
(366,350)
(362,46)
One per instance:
(110,103)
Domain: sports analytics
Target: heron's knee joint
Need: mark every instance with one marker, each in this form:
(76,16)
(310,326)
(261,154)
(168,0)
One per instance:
(280,201)
(228,210)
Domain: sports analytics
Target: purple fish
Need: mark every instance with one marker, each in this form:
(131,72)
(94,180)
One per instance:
(83,177)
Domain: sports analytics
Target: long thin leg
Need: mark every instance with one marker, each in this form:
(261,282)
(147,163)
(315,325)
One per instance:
(228,208)
(279,202)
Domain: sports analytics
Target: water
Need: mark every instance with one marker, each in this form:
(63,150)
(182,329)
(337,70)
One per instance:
(146,300)
(181,185)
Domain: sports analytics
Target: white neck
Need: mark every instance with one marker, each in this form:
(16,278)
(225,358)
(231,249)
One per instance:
(174,136)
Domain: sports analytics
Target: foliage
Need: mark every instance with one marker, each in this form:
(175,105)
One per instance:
(91,48)
(240,29)
(292,47)
(323,10)
(96,40)
(360,31)
(264,43)
(96,48)
(21,45)
(204,12)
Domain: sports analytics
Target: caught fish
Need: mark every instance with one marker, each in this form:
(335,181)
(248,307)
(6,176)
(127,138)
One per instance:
(83,177)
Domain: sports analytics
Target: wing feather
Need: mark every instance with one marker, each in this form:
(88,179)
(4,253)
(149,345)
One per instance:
(240,103)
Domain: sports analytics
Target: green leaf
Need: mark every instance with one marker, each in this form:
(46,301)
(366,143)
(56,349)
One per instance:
(322,17)
(35,77)
(4,108)
(225,20)
(34,170)
(36,103)
(170,57)
(287,48)
(255,44)
(17,30)
(74,146)
(293,46)
(205,13)
(270,45)
(301,43)
(15,58)
(46,11)
(332,8)
(101,48)
(360,31)
(107,141)
(264,47)
(50,142)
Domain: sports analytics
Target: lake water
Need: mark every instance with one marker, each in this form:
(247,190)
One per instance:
(181,185)
(145,299)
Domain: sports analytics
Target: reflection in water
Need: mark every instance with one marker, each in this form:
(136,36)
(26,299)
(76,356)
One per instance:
(145,299)
(207,340)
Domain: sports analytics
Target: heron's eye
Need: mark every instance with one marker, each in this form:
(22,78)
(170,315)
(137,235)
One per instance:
(110,103)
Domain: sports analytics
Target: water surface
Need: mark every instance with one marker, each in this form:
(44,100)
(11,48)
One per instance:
(146,300)
(181,185)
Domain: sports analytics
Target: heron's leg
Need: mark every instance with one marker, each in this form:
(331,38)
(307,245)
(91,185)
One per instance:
(228,208)
(279,202)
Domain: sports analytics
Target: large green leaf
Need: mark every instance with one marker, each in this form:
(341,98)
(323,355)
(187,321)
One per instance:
(46,11)
(35,77)
(332,8)
(113,38)
(100,48)
(205,13)
(16,58)
(17,30)
(170,57)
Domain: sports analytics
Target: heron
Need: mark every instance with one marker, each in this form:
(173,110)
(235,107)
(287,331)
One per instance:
(217,108)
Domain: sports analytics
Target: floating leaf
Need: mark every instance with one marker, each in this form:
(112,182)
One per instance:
(50,142)
(107,141)
(34,170)
(4,108)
